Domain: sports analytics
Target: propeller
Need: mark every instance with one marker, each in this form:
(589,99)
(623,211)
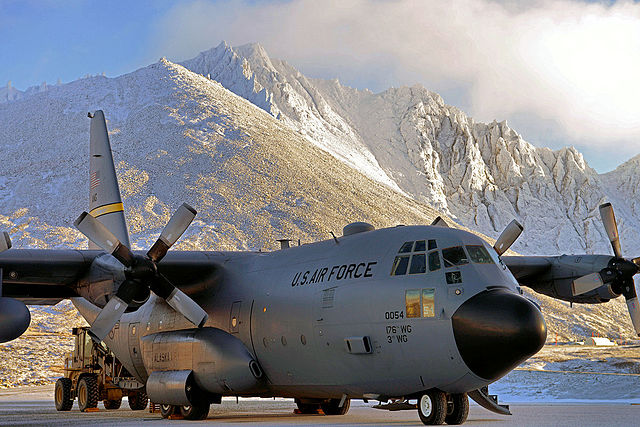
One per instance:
(619,272)
(141,272)
(5,241)
(508,236)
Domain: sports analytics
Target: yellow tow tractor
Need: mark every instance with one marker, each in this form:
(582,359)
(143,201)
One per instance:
(92,374)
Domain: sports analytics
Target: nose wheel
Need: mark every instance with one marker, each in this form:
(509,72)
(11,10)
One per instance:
(432,407)
(435,408)
(457,409)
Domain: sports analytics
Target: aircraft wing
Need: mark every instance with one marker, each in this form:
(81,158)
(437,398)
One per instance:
(44,276)
(555,276)
(527,269)
(39,276)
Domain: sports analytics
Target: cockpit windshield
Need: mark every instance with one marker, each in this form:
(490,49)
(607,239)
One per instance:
(412,258)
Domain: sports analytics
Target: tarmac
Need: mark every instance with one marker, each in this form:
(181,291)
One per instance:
(33,406)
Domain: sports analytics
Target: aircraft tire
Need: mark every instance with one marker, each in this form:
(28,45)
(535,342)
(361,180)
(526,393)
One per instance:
(138,401)
(62,394)
(195,411)
(87,393)
(332,407)
(167,410)
(432,407)
(458,409)
(112,404)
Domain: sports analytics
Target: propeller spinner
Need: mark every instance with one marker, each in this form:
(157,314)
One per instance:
(141,272)
(619,272)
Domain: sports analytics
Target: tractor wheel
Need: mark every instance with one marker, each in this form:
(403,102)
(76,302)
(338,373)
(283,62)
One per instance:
(112,404)
(195,411)
(87,393)
(432,407)
(307,408)
(332,407)
(138,400)
(62,395)
(167,410)
(457,409)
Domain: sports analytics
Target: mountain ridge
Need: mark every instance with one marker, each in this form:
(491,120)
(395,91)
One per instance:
(482,174)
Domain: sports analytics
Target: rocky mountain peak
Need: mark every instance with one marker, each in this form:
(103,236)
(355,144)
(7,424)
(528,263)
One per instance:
(483,174)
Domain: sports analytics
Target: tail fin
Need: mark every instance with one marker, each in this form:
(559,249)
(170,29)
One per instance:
(105,203)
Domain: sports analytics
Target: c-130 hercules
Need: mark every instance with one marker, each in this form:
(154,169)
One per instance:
(424,314)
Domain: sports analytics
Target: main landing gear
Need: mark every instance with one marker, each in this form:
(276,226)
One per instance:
(328,406)
(196,411)
(435,407)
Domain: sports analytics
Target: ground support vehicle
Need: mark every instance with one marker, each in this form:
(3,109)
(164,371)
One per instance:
(93,374)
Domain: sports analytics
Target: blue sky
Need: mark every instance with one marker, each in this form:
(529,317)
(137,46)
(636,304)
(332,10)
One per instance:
(561,72)
(50,40)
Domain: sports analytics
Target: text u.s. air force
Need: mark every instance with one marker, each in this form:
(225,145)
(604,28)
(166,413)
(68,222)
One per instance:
(334,273)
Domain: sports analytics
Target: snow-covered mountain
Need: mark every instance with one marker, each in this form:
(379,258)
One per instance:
(483,175)
(264,167)
(178,136)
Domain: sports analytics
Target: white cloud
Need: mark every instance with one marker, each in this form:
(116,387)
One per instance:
(572,64)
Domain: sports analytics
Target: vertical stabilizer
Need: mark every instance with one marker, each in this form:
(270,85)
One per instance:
(105,203)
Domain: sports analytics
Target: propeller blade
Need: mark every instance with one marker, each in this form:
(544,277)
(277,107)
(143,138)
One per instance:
(508,236)
(5,241)
(633,306)
(107,318)
(101,236)
(111,313)
(172,232)
(186,306)
(634,312)
(180,301)
(587,283)
(609,221)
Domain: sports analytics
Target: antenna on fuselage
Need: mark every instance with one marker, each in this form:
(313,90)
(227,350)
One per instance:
(334,238)
(285,243)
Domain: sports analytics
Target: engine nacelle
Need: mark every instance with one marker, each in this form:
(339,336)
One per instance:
(557,280)
(14,318)
(216,361)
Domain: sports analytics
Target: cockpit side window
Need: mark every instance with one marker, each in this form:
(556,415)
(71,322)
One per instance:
(479,255)
(412,302)
(420,302)
(400,265)
(454,256)
(418,264)
(432,244)
(406,247)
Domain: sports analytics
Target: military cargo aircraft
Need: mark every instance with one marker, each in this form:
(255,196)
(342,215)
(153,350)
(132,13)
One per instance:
(415,316)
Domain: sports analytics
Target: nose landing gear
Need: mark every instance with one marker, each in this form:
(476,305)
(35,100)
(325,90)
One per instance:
(457,409)
(435,408)
(432,407)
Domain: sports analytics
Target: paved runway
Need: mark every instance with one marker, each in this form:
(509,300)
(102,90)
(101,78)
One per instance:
(34,406)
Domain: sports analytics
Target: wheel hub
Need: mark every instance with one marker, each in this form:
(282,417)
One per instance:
(425,405)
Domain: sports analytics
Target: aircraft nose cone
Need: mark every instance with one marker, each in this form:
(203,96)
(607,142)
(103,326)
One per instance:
(496,330)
